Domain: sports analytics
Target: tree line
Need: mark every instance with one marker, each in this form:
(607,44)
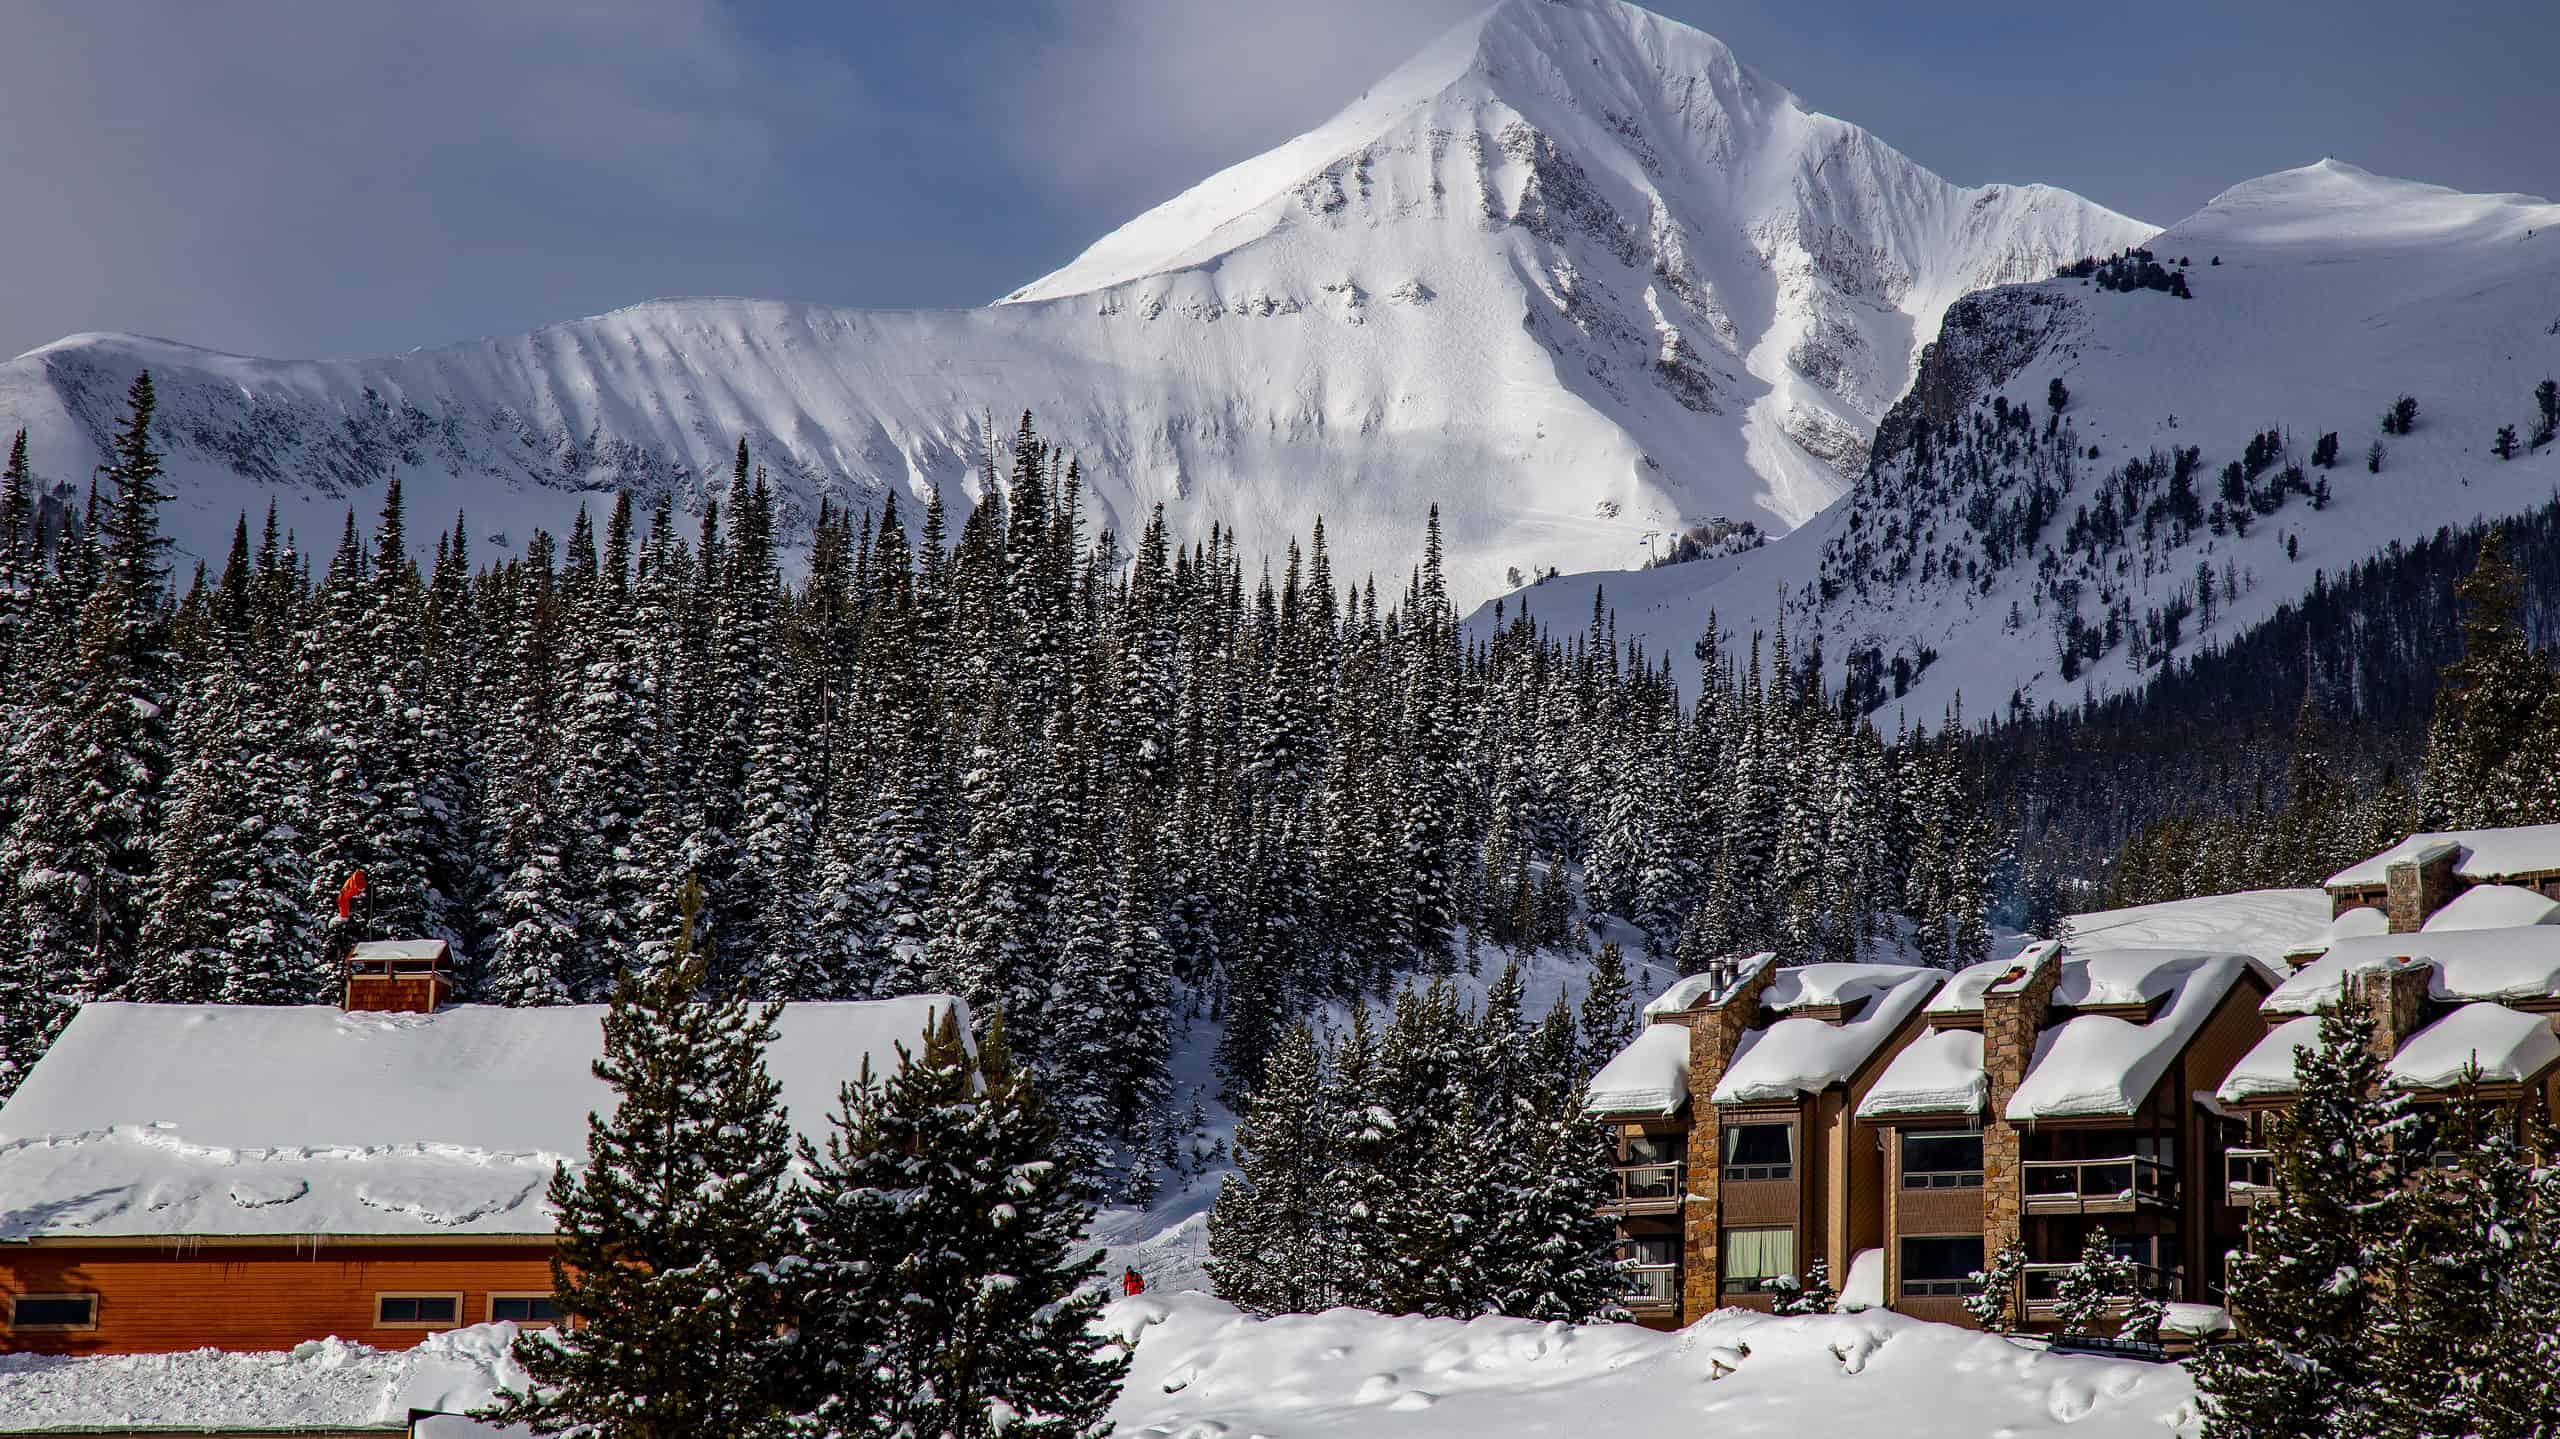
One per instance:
(1098,781)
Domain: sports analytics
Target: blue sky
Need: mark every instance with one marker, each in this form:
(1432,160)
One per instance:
(317,177)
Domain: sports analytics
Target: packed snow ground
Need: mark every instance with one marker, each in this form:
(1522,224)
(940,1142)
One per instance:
(1204,1370)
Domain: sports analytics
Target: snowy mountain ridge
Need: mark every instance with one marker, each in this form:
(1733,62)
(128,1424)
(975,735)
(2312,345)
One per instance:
(1574,272)
(2017,561)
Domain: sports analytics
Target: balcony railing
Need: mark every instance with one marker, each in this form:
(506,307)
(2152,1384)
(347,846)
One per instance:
(1647,1188)
(1652,1286)
(2040,1286)
(2248,1177)
(2097,1186)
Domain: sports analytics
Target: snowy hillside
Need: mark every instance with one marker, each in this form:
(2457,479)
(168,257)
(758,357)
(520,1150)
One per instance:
(1987,549)
(1574,272)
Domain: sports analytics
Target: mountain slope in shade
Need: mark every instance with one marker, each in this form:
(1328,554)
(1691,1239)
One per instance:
(1574,273)
(2337,291)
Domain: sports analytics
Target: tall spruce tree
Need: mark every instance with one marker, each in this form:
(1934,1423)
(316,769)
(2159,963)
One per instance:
(674,1233)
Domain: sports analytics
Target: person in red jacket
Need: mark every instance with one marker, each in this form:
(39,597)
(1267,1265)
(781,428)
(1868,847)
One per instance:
(1131,1284)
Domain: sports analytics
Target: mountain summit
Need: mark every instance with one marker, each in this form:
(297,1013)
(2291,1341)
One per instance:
(1574,273)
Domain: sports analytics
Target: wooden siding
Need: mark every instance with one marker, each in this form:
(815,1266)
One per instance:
(1937,1211)
(160,1299)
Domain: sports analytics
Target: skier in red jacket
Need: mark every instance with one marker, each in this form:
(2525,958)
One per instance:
(1131,1284)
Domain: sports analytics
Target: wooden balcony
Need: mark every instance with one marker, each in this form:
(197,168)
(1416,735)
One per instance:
(1648,1189)
(1652,1288)
(2248,1177)
(2097,1186)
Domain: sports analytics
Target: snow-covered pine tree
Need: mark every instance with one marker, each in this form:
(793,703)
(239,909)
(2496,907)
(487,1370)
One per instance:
(1608,1009)
(1275,1232)
(2304,1291)
(949,1290)
(2093,1286)
(674,1232)
(1811,1294)
(1993,1304)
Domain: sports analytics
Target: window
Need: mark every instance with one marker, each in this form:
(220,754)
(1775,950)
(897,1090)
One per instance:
(1643,1148)
(417,1311)
(1942,1161)
(1940,1264)
(1759,1151)
(54,1311)
(1753,1257)
(523,1309)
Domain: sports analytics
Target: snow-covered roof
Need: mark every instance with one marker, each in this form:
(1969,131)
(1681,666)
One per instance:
(1649,1076)
(2096,1064)
(2492,906)
(1807,985)
(2501,964)
(2485,854)
(1963,994)
(2361,922)
(237,1120)
(2510,1046)
(1938,1073)
(375,951)
(2266,1071)
(1801,1055)
(1691,990)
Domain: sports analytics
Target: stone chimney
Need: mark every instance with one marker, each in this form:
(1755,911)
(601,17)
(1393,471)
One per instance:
(2420,885)
(399,976)
(2396,996)
(1716,1026)
(2014,1010)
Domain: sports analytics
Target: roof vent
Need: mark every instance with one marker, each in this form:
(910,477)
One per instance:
(399,976)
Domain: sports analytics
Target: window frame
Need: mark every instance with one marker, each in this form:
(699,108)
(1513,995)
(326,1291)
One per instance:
(89,1295)
(1937,1288)
(1756,1173)
(382,1296)
(1939,1178)
(541,1296)
(1730,1283)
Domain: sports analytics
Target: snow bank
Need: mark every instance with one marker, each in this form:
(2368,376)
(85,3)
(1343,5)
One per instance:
(2487,906)
(2485,854)
(1938,1073)
(2096,1064)
(240,1120)
(1799,1055)
(1203,1369)
(2495,964)
(1649,1076)
(326,1382)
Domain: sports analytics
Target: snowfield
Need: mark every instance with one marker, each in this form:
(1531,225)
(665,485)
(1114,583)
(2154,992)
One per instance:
(1205,1370)
(1574,272)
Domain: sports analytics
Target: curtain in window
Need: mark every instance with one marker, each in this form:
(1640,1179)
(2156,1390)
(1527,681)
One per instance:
(1759,1253)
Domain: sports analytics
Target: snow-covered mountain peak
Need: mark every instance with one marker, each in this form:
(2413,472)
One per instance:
(1574,273)
(2342,211)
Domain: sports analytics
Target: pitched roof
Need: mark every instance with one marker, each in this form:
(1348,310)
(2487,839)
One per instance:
(2509,1046)
(2500,964)
(238,1120)
(1938,1073)
(1649,1076)
(2094,1065)
(2491,906)
(2485,854)
(1799,1055)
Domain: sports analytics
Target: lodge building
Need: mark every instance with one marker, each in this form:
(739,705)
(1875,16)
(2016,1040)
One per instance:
(1903,1132)
(248,1178)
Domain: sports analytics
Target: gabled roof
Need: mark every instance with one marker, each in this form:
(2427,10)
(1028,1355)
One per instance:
(2520,964)
(2493,906)
(2484,854)
(1938,1073)
(235,1120)
(1648,1077)
(2098,1065)
(2509,1046)
(1796,1056)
